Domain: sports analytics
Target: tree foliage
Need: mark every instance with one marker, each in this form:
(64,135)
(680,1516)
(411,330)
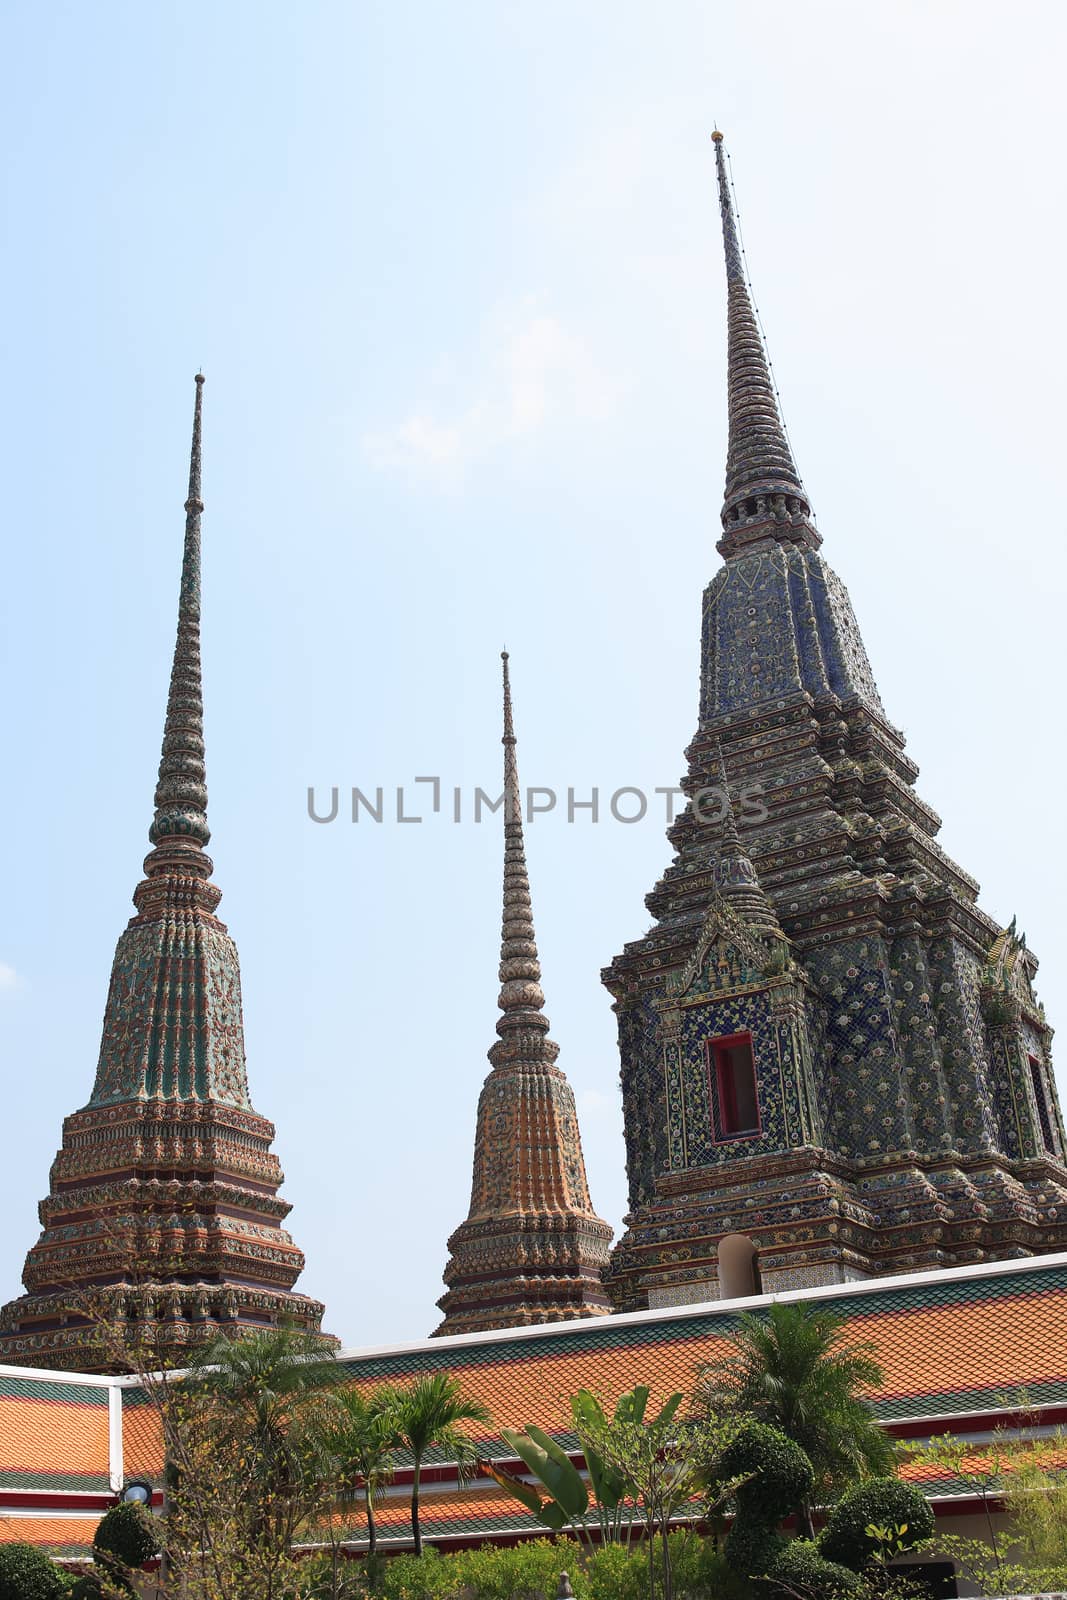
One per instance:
(793,1369)
(128,1534)
(641,1471)
(431,1415)
(1022,1470)
(899,1509)
(665,1466)
(27,1574)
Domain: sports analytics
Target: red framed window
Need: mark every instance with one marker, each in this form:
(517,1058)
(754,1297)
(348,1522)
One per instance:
(734,1101)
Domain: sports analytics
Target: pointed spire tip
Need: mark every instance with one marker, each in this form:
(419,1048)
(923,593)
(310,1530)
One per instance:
(764,493)
(181,792)
(509,730)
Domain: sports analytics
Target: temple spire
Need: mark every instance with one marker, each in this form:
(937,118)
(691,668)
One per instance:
(521,996)
(189,1244)
(532,1248)
(179,827)
(764,493)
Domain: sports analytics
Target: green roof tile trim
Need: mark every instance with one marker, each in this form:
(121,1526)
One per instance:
(961,1402)
(135,1398)
(460,1527)
(81,1394)
(71,1482)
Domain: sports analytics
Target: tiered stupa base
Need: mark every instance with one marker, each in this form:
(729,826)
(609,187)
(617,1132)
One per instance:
(816,1219)
(161,1230)
(510,1272)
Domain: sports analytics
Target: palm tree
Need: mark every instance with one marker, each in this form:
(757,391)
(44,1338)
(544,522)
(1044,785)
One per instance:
(359,1435)
(262,1396)
(427,1415)
(791,1369)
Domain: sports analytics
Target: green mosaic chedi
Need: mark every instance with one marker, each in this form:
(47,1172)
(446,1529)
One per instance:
(830,1054)
(163,1214)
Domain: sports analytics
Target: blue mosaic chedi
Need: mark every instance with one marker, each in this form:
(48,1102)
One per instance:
(828,1050)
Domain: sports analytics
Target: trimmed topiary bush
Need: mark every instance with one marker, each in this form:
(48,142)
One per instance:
(752,1548)
(779,1476)
(128,1533)
(881,1502)
(87,1587)
(27,1574)
(801,1568)
(781,1473)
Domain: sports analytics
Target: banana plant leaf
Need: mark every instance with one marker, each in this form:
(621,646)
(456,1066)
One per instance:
(667,1414)
(553,1468)
(631,1406)
(609,1486)
(547,1512)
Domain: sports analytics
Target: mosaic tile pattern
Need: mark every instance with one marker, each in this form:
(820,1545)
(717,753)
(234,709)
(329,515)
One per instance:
(532,1249)
(908,1112)
(165,1189)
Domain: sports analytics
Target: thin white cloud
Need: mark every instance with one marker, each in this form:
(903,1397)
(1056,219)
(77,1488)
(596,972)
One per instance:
(9,978)
(531,374)
(594,1106)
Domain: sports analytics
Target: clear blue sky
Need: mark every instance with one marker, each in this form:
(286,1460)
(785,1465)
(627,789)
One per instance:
(454,275)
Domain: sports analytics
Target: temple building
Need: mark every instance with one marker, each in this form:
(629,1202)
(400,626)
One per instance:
(163,1215)
(833,1062)
(532,1248)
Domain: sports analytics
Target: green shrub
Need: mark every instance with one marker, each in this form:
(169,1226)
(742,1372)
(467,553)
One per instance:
(526,1572)
(617,1573)
(354,1578)
(880,1502)
(752,1548)
(531,1571)
(613,1573)
(701,1572)
(127,1532)
(802,1568)
(85,1587)
(781,1478)
(430,1576)
(27,1574)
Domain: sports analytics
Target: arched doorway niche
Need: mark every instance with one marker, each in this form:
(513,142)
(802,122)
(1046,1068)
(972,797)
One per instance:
(739,1276)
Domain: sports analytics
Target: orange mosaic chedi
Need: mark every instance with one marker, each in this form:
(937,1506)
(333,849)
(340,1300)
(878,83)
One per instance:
(164,1208)
(532,1247)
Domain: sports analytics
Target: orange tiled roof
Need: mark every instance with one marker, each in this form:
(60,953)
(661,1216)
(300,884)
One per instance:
(952,1345)
(949,1345)
(53,1434)
(61,1536)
